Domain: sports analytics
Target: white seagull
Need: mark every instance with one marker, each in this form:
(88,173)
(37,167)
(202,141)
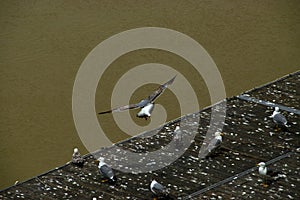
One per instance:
(106,171)
(146,111)
(146,105)
(178,137)
(279,119)
(158,189)
(268,175)
(214,144)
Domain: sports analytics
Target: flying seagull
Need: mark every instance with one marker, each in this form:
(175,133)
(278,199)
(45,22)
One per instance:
(214,144)
(279,119)
(268,175)
(146,105)
(77,159)
(158,189)
(106,171)
(146,111)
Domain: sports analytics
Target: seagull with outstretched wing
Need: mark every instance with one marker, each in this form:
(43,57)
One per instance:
(146,105)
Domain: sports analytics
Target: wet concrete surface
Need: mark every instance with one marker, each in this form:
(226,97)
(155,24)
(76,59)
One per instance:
(249,138)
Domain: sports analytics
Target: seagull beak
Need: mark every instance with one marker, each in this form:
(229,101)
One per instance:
(222,134)
(257,164)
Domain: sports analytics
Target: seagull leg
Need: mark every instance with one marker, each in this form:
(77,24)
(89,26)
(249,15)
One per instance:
(104,180)
(265,184)
(277,128)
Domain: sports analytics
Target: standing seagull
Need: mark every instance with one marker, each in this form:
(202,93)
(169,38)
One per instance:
(106,171)
(178,137)
(214,144)
(146,105)
(77,159)
(158,189)
(268,175)
(279,119)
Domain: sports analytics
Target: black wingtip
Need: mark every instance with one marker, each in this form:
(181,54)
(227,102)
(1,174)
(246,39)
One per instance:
(104,112)
(171,80)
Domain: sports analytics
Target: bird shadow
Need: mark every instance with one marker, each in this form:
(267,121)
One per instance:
(166,197)
(221,151)
(80,165)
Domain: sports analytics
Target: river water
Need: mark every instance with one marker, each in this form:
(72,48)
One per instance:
(42,45)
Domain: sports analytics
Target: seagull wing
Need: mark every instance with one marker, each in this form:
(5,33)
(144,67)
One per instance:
(273,173)
(160,90)
(158,188)
(121,108)
(178,134)
(213,145)
(280,119)
(106,171)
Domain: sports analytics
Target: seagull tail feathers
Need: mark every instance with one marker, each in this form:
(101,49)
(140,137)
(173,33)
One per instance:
(113,179)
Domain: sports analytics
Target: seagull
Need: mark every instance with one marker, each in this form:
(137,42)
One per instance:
(77,159)
(268,174)
(178,136)
(214,144)
(146,105)
(279,119)
(158,189)
(106,171)
(146,111)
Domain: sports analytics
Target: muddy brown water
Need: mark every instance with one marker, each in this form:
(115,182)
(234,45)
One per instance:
(42,45)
